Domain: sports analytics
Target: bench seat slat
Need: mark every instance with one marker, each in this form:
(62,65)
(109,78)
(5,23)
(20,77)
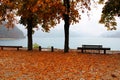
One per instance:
(94,48)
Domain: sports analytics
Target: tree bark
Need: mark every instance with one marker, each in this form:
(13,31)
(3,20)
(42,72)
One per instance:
(29,35)
(66,32)
(66,25)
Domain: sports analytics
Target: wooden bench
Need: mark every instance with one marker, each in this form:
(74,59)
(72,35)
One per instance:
(11,47)
(51,49)
(92,47)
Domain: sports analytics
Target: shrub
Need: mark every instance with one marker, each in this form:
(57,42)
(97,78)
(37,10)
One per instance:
(35,45)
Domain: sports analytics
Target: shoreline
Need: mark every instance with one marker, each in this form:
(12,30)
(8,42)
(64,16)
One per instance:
(62,50)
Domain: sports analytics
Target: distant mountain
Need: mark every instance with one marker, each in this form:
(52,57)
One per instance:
(10,33)
(114,34)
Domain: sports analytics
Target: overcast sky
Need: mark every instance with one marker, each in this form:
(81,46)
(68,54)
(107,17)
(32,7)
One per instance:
(87,27)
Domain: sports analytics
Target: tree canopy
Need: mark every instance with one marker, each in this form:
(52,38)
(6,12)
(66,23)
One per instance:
(46,13)
(110,11)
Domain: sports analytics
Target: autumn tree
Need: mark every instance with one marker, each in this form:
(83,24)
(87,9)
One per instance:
(72,15)
(66,24)
(110,11)
(46,13)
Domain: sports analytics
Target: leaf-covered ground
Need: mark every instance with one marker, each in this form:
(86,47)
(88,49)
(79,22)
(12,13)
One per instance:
(35,65)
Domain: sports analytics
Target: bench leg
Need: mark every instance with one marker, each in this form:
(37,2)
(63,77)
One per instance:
(82,50)
(52,49)
(18,48)
(40,48)
(104,51)
(1,48)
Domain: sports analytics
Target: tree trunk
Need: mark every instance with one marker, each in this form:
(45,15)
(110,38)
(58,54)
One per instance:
(66,32)
(29,35)
(66,25)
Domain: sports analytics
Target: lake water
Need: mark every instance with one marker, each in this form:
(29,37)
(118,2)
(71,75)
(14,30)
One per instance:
(113,43)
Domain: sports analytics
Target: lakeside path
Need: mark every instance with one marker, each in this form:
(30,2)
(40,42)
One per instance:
(35,65)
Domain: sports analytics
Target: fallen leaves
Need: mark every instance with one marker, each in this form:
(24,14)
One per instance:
(35,65)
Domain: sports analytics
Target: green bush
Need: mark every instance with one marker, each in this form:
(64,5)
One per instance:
(35,45)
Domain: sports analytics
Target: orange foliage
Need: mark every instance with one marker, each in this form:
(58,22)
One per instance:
(48,13)
(37,65)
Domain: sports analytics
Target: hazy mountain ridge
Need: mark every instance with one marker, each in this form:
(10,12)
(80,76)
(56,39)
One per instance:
(11,33)
(113,34)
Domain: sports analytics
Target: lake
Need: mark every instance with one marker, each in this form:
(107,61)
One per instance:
(58,42)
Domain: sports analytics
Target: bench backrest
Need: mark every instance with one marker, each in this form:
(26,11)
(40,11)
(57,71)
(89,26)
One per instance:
(92,46)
